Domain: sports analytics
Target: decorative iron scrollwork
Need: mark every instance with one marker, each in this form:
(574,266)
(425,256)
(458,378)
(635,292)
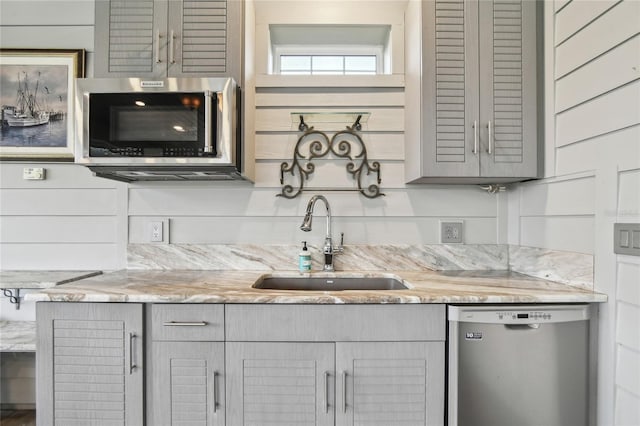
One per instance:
(341,144)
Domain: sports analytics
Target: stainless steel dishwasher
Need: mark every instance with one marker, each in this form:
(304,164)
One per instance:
(519,365)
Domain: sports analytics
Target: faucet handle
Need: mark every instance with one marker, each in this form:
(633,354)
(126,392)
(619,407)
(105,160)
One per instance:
(340,248)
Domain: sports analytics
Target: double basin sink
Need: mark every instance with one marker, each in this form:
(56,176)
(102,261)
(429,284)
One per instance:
(329,283)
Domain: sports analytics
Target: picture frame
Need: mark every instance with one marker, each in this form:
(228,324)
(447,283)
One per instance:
(37,96)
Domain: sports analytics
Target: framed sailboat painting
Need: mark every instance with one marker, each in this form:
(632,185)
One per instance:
(37,98)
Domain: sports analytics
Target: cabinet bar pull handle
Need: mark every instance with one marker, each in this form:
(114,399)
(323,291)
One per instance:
(215,392)
(172,59)
(490,138)
(132,365)
(475,137)
(326,391)
(185,324)
(157,49)
(344,391)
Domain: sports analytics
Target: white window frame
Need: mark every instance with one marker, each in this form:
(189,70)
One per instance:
(328,50)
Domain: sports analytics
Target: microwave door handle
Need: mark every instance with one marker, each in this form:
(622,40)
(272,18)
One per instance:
(208,105)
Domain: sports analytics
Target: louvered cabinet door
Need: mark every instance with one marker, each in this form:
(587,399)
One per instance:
(130,38)
(390,383)
(186,384)
(508,88)
(280,383)
(450,93)
(207,37)
(89,364)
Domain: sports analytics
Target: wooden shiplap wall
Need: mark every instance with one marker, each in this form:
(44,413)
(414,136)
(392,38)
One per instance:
(593,175)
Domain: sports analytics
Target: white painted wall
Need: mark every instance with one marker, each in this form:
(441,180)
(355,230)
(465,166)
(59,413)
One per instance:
(592,170)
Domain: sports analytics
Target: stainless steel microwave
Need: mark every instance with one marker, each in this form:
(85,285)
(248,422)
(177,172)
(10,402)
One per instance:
(134,129)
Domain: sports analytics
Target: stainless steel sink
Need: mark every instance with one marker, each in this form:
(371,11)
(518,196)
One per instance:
(329,283)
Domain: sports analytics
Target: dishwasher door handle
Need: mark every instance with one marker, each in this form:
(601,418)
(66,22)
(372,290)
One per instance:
(534,326)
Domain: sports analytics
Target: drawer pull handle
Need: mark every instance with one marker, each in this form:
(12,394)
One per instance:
(344,391)
(326,391)
(132,364)
(185,324)
(215,392)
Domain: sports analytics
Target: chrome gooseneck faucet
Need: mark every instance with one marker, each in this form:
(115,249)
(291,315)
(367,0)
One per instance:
(329,250)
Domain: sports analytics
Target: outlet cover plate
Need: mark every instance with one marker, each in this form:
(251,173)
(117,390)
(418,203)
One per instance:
(451,232)
(158,231)
(626,238)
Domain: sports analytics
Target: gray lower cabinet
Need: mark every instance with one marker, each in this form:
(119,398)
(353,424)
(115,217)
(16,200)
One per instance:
(89,364)
(335,365)
(186,386)
(185,365)
(388,383)
(280,383)
(479,96)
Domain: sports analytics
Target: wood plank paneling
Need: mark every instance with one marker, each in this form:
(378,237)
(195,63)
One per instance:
(628,278)
(280,146)
(57,176)
(330,174)
(585,155)
(279,120)
(59,256)
(626,334)
(286,230)
(58,229)
(629,193)
(327,97)
(45,13)
(569,197)
(40,37)
(559,4)
(626,410)
(586,120)
(628,370)
(611,29)
(568,233)
(71,202)
(577,15)
(437,200)
(620,65)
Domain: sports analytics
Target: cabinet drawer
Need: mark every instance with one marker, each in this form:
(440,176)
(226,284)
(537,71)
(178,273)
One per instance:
(337,323)
(190,322)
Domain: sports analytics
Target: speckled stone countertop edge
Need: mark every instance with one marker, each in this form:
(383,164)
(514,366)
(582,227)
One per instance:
(175,286)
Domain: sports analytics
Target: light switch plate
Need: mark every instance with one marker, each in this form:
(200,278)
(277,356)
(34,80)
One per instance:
(33,173)
(626,238)
(451,232)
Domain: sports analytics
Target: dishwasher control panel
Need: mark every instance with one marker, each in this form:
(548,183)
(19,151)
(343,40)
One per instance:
(519,314)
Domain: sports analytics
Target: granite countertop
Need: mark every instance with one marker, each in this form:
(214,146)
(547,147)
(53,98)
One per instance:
(17,336)
(40,279)
(177,286)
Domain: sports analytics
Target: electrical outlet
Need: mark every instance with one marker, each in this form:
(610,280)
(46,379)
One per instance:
(158,231)
(451,232)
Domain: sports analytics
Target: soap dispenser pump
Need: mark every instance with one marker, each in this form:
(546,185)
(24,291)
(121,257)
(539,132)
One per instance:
(304,259)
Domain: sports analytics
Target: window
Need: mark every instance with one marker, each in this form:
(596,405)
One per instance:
(345,50)
(328,64)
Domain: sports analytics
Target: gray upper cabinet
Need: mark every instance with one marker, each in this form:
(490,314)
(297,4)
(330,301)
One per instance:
(479,121)
(162,38)
(89,364)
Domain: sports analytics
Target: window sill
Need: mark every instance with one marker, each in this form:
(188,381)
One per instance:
(380,80)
